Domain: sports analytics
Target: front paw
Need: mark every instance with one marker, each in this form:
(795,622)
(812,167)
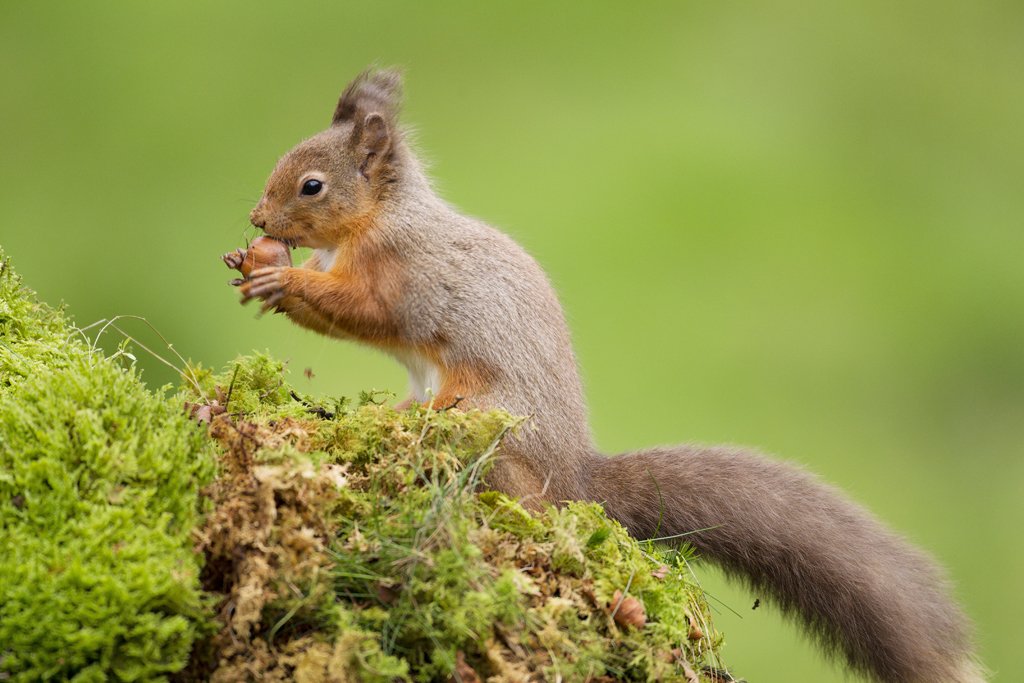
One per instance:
(234,259)
(267,284)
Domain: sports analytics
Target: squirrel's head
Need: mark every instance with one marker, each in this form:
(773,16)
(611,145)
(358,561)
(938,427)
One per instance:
(332,183)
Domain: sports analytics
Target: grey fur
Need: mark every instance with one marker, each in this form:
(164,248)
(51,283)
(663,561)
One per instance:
(469,291)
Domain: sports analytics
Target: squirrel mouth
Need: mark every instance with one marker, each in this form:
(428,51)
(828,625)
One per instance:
(290,242)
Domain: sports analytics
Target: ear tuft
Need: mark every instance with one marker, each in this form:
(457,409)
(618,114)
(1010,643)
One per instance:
(373,91)
(374,133)
(372,139)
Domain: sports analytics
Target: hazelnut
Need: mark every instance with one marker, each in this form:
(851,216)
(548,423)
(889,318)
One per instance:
(264,252)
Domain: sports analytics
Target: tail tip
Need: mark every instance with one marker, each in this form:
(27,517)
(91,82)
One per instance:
(970,671)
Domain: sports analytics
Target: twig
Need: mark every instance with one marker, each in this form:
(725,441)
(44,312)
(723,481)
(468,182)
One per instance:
(310,408)
(685,533)
(190,377)
(624,594)
(231,387)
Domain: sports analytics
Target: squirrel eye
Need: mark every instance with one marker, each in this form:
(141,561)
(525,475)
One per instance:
(311,187)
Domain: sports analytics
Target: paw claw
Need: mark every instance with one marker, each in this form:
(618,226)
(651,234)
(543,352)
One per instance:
(234,259)
(272,301)
(266,284)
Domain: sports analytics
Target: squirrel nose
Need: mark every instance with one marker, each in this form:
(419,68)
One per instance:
(258,220)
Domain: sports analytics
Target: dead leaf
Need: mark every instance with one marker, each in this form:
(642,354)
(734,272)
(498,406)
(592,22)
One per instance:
(628,611)
(204,412)
(464,673)
(694,632)
(691,675)
(386,594)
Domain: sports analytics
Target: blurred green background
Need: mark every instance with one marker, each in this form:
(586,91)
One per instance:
(798,227)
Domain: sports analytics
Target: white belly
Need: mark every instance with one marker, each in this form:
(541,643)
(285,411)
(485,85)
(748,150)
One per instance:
(325,258)
(424,375)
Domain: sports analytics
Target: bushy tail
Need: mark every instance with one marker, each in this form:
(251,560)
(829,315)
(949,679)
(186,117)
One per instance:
(856,586)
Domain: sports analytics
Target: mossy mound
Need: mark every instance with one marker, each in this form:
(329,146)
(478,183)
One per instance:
(99,495)
(339,541)
(349,543)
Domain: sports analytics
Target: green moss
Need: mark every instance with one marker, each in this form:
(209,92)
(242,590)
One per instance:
(99,484)
(31,333)
(427,576)
(340,540)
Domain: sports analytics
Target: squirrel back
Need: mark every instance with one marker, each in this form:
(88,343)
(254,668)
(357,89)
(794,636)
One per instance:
(476,322)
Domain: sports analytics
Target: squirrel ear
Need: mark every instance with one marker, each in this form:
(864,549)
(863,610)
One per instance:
(372,140)
(371,91)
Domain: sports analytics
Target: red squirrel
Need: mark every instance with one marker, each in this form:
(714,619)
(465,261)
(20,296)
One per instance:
(476,322)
